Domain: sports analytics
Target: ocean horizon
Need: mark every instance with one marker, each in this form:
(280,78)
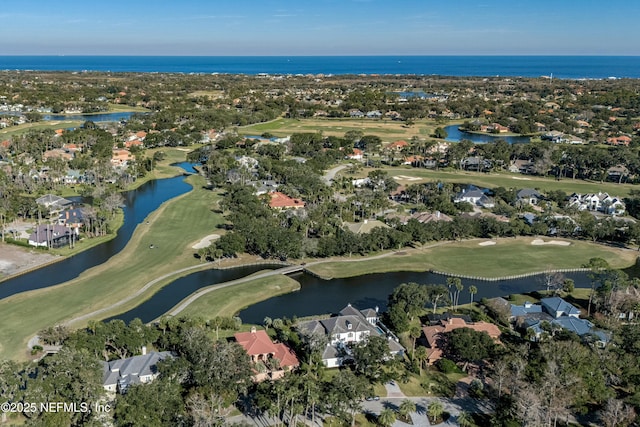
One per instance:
(563,67)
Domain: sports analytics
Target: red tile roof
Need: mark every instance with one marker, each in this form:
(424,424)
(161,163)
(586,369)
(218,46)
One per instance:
(257,343)
(433,333)
(282,201)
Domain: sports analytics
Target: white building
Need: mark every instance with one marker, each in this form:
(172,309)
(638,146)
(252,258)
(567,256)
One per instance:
(351,326)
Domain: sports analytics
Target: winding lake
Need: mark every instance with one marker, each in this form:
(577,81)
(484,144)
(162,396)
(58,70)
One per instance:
(456,135)
(317,296)
(138,204)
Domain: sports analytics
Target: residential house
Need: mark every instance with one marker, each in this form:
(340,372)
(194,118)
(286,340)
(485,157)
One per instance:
(120,158)
(57,153)
(119,375)
(554,313)
(53,203)
(375,114)
(525,167)
(51,236)
(264,187)
(474,196)
(436,334)
(281,201)
(350,326)
(426,217)
(73,176)
(600,202)
(397,145)
(72,218)
(528,196)
(357,154)
(270,360)
(365,226)
(356,114)
(619,140)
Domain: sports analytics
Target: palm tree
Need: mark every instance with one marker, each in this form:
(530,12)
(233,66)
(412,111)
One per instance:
(473,290)
(406,407)
(421,356)
(414,333)
(465,419)
(435,410)
(387,417)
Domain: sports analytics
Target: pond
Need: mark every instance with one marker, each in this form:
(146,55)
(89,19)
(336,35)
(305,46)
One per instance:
(454,134)
(318,296)
(96,118)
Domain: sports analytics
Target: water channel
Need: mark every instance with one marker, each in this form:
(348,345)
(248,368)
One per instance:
(138,204)
(454,134)
(316,296)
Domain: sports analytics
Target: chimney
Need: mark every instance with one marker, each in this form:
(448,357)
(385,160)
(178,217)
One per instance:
(377,308)
(144,350)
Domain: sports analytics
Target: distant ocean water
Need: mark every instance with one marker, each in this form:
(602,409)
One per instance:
(565,67)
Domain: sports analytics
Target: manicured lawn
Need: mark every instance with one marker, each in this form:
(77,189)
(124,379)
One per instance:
(17,130)
(173,229)
(228,301)
(507,180)
(388,130)
(516,256)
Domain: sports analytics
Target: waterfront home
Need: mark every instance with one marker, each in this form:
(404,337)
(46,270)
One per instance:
(51,236)
(551,315)
(118,375)
(350,326)
(436,334)
(270,360)
(53,203)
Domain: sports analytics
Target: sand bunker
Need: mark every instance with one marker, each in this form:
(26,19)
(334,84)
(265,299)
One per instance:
(538,242)
(521,178)
(487,243)
(406,178)
(206,241)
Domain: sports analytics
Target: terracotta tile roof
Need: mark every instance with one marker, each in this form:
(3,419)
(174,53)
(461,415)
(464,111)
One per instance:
(398,144)
(434,333)
(282,201)
(257,343)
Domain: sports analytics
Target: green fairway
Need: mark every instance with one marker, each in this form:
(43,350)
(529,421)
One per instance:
(172,229)
(19,129)
(506,180)
(388,130)
(506,258)
(228,301)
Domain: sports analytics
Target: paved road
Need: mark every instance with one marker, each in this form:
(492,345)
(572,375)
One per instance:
(331,173)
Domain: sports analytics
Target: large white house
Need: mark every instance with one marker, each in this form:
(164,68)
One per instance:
(350,326)
(600,202)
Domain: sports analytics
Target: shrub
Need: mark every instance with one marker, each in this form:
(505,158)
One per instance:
(447,366)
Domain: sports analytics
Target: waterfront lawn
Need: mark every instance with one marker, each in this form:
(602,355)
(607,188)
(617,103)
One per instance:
(506,180)
(508,257)
(229,301)
(172,229)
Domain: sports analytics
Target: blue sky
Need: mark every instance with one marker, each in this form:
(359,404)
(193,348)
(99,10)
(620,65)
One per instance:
(320,27)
